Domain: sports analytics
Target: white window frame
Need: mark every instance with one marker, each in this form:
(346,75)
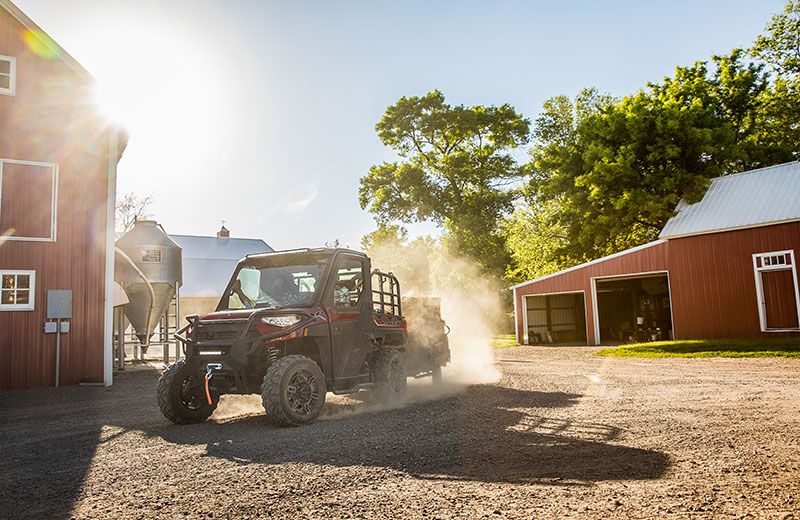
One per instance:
(53,201)
(31,301)
(760,302)
(12,84)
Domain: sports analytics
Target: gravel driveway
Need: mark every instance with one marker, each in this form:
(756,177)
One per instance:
(563,434)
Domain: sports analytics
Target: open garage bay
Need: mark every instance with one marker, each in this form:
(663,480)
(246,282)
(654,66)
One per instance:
(563,433)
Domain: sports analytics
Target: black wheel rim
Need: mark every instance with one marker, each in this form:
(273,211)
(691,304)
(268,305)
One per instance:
(191,393)
(396,376)
(302,392)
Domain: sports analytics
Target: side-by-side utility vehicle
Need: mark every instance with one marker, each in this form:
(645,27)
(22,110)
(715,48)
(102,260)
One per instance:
(294,325)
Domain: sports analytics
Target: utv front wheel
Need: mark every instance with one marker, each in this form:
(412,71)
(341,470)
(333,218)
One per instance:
(293,391)
(181,395)
(388,376)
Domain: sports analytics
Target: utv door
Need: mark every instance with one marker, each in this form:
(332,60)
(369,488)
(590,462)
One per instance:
(348,308)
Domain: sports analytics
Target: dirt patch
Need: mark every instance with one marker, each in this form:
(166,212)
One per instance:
(563,433)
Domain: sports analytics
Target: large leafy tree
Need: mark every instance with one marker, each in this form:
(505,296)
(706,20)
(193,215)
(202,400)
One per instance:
(619,167)
(780,46)
(454,169)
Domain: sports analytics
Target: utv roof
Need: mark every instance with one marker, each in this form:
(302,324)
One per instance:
(324,250)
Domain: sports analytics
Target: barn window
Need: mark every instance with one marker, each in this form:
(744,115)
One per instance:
(17,290)
(8,75)
(28,193)
(777,291)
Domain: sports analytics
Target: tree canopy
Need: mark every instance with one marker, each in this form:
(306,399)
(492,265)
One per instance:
(605,173)
(454,169)
(615,169)
(780,46)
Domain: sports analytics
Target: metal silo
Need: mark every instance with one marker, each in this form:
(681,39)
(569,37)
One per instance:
(149,268)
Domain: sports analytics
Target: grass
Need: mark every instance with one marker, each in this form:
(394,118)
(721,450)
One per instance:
(734,348)
(504,341)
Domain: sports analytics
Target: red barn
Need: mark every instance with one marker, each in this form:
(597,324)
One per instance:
(725,267)
(58,159)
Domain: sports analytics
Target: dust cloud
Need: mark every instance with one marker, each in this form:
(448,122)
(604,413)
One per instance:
(470,303)
(233,405)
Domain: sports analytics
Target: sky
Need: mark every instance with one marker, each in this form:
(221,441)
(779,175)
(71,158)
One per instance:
(262,114)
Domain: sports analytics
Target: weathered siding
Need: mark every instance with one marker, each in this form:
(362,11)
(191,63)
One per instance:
(712,284)
(50,119)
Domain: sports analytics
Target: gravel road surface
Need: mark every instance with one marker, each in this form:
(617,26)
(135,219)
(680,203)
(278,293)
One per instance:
(563,434)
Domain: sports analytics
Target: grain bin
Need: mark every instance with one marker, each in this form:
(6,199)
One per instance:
(149,267)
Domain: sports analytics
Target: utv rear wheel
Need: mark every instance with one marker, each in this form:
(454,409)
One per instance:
(181,395)
(388,376)
(293,391)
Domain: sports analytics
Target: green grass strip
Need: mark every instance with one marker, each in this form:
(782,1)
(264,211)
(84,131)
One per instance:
(504,341)
(733,348)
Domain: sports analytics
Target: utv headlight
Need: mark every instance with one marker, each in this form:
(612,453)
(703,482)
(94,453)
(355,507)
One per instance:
(280,321)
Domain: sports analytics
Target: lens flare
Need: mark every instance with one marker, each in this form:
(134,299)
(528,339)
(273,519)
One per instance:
(41,44)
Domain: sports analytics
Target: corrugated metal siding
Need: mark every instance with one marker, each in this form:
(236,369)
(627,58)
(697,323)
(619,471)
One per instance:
(654,258)
(49,121)
(767,195)
(712,283)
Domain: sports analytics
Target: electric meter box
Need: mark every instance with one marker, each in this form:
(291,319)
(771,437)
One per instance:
(59,304)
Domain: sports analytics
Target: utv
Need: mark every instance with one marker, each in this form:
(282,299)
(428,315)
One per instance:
(294,325)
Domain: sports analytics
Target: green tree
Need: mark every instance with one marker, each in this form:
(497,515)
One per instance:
(455,169)
(533,239)
(619,168)
(780,46)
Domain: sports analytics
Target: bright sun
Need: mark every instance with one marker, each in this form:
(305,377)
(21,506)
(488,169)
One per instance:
(155,85)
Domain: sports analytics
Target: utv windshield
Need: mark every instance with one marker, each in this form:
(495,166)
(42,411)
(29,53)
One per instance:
(276,282)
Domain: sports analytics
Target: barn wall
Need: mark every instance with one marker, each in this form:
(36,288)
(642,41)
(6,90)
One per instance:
(712,284)
(50,120)
(653,258)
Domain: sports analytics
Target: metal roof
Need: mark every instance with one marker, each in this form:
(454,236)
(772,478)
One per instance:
(215,248)
(754,198)
(208,262)
(206,278)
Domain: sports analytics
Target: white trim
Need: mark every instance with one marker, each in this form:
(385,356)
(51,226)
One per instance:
(108,310)
(628,276)
(735,228)
(53,200)
(592,262)
(12,84)
(525,314)
(516,315)
(760,301)
(31,305)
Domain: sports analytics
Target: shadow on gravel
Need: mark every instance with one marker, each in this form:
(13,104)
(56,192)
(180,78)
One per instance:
(489,433)
(49,438)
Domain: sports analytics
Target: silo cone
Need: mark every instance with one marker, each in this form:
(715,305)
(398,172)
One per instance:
(142,316)
(157,264)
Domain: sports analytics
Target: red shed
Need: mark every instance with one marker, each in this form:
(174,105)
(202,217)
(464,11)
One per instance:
(58,159)
(725,267)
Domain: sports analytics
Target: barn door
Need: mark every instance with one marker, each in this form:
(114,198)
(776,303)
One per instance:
(776,285)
